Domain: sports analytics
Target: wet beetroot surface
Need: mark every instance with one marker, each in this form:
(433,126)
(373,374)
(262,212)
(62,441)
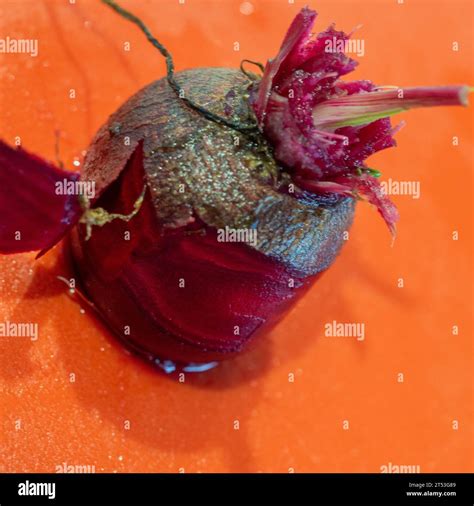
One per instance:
(176,294)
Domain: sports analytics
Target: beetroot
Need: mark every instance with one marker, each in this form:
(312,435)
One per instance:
(210,221)
(173,290)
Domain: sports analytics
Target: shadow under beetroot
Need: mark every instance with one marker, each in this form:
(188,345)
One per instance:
(201,412)
(181,418)
(190,420)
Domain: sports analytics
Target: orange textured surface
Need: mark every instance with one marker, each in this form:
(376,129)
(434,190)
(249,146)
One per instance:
(75,396)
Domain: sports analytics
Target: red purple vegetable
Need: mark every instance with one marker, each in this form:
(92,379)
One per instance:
(208,222)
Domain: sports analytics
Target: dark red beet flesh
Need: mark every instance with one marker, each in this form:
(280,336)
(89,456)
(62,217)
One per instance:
(34,216)
(177,294)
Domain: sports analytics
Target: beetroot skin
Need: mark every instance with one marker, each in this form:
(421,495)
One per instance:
(280,159)
(163,281)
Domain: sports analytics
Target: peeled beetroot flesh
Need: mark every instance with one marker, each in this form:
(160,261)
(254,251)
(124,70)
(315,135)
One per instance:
(172,290)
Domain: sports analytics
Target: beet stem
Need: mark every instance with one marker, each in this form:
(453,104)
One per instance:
(240,127)
(249,74)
